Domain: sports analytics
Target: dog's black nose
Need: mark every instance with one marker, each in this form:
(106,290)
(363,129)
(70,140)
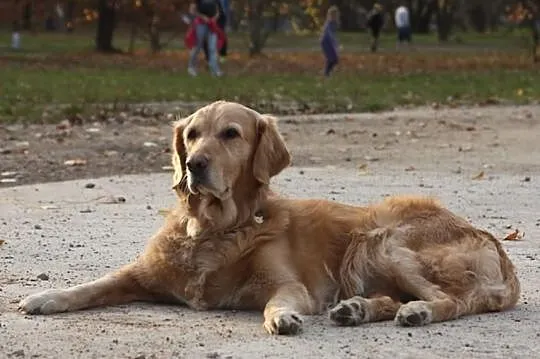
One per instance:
(197,164)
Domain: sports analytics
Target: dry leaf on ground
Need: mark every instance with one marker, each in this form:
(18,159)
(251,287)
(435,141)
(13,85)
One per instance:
(164,212)
(514,236)
(479,176)
(75,162)
(111,199)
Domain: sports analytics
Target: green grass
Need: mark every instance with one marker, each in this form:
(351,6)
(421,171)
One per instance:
(83,39)
(26,91)
(43,77)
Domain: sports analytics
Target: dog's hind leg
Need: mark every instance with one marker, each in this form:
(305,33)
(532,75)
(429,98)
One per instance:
(116,288)
(474,278)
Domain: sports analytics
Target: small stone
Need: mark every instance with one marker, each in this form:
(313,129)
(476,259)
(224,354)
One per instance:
(37,226)
(43,276)
(527,179)
(89,185)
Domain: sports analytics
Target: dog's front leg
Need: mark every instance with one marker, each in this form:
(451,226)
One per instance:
(116,288)
(282,314)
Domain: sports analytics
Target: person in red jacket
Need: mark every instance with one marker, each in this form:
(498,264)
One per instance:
(204,28)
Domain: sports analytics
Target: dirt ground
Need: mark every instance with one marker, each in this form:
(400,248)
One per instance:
(483,163)
(469,141)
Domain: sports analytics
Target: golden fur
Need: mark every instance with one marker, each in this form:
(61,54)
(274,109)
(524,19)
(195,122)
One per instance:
(232,243)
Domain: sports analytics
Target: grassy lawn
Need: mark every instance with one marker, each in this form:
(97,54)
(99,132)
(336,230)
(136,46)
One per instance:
(25,92)
(59,74)
(83,40)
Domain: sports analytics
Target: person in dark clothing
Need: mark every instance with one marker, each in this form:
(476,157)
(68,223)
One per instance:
(329,42)
(375,23)
(222,23)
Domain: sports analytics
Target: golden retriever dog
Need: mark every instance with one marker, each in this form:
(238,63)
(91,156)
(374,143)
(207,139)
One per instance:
(231,243)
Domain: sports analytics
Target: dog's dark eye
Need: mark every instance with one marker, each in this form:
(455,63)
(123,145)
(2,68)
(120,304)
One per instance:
(192,134)
(230,133)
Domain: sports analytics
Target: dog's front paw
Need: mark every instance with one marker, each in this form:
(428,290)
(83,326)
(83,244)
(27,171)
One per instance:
(47,302)
(414,314)
(350,312)
(286,322)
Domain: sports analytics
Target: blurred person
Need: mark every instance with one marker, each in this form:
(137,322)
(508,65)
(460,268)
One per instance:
(204,28)
(329,43)
(16,36)
(222,21)
(375,23)
(403,24)
(188,20)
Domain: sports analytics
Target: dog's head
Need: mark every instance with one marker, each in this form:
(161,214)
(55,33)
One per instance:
(225,147)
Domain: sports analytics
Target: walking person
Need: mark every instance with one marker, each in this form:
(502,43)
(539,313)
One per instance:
(189,20)
(403,24)
(222,23)
(329,43)
(205,29)
(375,23)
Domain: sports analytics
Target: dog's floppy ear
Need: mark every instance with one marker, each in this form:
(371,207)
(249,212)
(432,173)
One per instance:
(271,154)
(179,155)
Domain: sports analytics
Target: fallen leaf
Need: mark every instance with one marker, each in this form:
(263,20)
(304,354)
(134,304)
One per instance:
(362,167)
(410,168)
(164,212)
(519,92)
(371,158)
(479,176)
(22,144)
(49,207)
(2,242)
(514,236)
(467,148)
(111,199)
(75,162)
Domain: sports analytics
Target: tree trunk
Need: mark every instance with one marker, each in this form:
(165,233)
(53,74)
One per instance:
(536,38)
(421,14)
(155,43)
(445,17)
(257,33)
(106,26)
(70,11)
(27,15)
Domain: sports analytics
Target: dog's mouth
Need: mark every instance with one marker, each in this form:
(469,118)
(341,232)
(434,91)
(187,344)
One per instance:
(206,190)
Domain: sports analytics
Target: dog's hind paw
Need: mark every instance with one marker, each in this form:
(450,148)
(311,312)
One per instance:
(350,312)
(414,314)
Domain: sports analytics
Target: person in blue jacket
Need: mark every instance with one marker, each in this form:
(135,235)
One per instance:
(329,42)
